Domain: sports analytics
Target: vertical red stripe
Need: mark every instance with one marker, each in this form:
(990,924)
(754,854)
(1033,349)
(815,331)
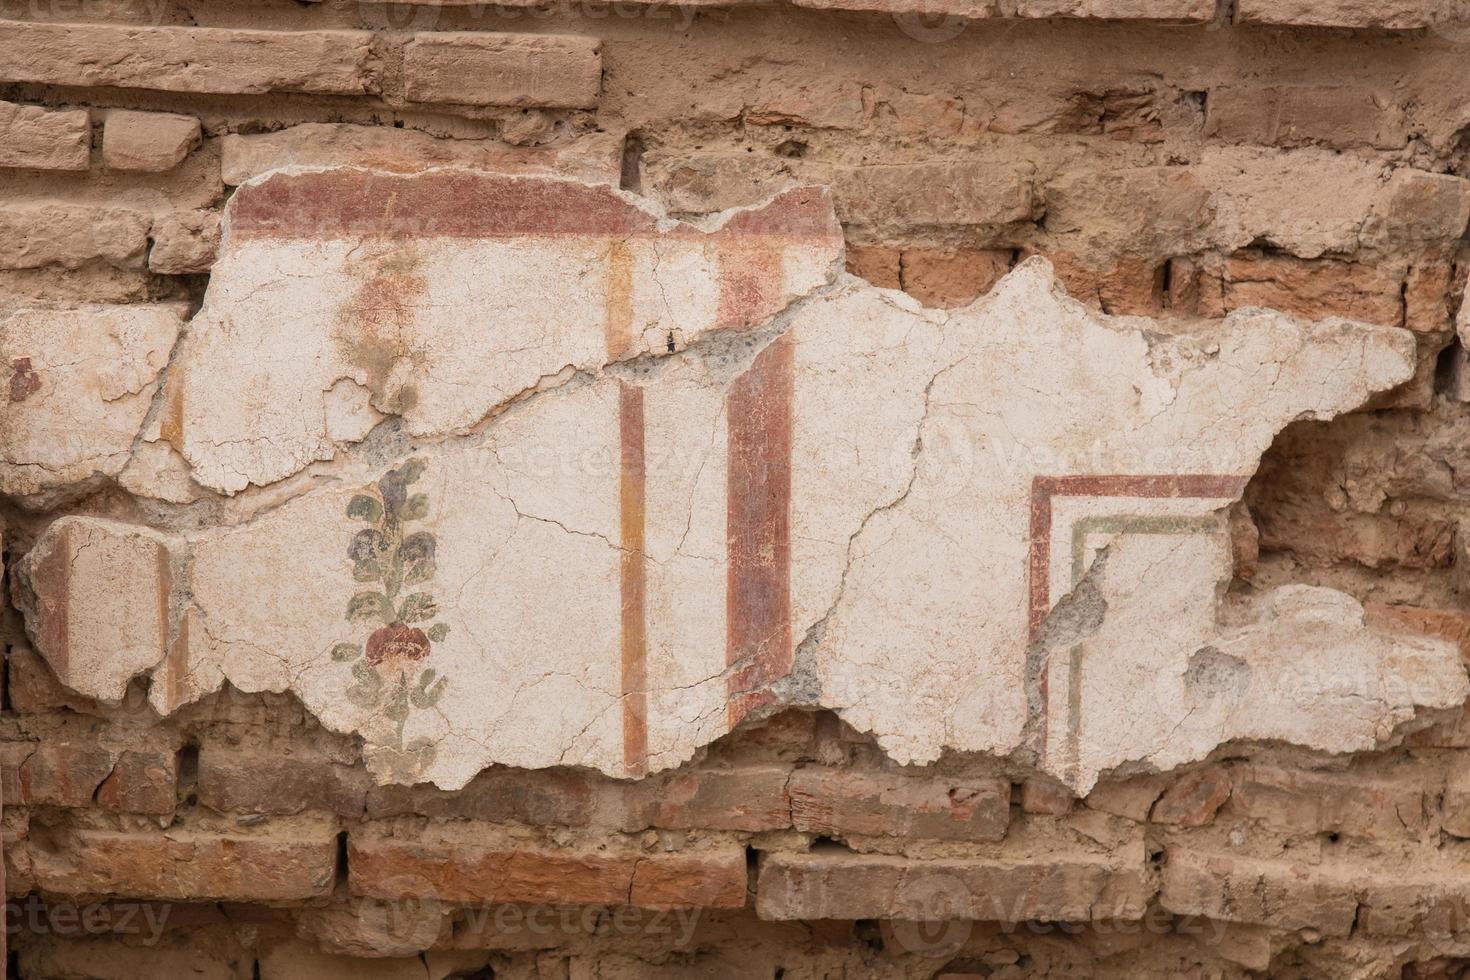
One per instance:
(758,591)
(634,584)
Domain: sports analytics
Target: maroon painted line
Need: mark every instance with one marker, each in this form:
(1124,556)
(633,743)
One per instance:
(355,203)
(758,528)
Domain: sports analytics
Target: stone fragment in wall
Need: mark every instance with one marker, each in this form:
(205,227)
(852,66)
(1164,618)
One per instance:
(147,141)
(77,387)
(1001,529)
(362,288)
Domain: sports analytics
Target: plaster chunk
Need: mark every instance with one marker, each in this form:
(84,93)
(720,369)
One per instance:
(77,386)
(998,529)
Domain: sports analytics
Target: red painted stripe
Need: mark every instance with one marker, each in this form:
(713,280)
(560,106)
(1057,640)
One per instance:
(455,204)
(634,579)
(758,596)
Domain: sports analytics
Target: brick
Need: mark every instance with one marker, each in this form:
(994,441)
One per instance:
(839,884)
(71,235)
(940,193)
(1261,891)
(33,138)
(1417,207)
(1133,285)
(534,70)
(968,9)
(1405,903)
(188,59)
(184,243)
(1311,288)
(33,686)
(747,798)
(141,782)
(878,264)
(148,141)
(540,798)
(1046,796)
(53,774)
(272,782)
(948,279)
(1178,11)
(596,156)
(819,102)
(459,869)
(190,865)
(302,961)
(1431,294)
(1131,799)
(1382,14)
(1368,805)
(83,955)
(1193,799)
(839,802)
(1298,115)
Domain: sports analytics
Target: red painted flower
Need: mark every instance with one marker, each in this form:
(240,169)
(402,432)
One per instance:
(397,643)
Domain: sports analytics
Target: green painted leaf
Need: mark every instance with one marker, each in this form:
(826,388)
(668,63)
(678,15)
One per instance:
(412,470)
(423,695)
(417,546)
(416,509)
(346,651)
(365,508)
(438,631)
(367,570)
(419,571)
(368,606)
(366,676)
(397,709)
(367,543)
(417,608)
(362,696)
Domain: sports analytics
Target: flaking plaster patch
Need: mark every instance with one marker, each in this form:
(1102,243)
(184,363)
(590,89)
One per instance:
(997,529)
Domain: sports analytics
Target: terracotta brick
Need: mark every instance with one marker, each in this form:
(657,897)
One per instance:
(746,798)
(878,264)
(562,799)
(1412,903)
(1455,812)
(1193,799)
(1128,798)
(141,782)
(148,141)
(1369,805)
(34,688)
(53,773)
(839,884)
(535,70)
(190,865)
(837,802)
(267,781)
(1280,893)
(1130,286)
(34,138)
(187,59)
(949,279)
(1312,288)
(1046,796)
(1334,115)
(459,870)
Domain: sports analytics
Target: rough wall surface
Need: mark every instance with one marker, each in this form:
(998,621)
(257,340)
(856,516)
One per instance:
(842,488)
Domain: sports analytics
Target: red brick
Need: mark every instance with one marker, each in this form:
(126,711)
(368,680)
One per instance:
(457,869)
(34,138)
(1129,798)
(53,774)
(1131,286)
(1413,903)
(876,263)
(531,70)
(272,782)
(839,803)
(746,798)
(1368,805)
(1193,799)
(189,865)
(1311,288)
(839,884)
(33,686)
(1279,893)
(187,59)
(141,782)
(950,279)
(1046,796)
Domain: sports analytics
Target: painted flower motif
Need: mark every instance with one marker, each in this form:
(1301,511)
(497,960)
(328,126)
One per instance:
(396,643)
(387,677)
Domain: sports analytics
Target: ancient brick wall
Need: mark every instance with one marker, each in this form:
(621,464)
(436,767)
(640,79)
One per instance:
(509,491)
